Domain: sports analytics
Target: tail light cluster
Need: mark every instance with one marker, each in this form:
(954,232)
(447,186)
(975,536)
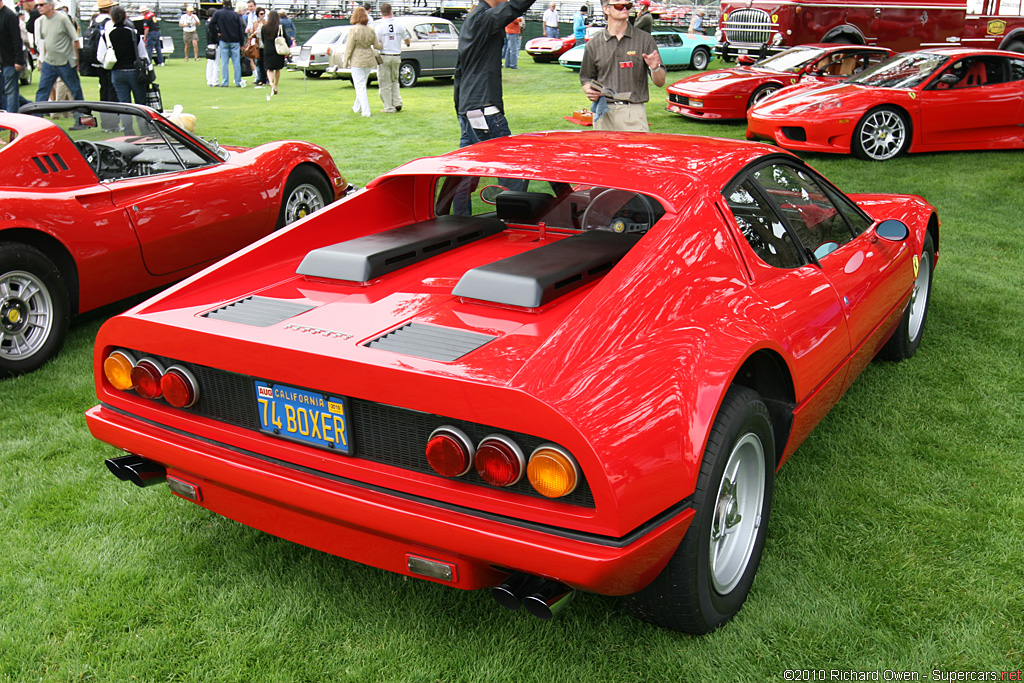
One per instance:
(149,379)
(501,462)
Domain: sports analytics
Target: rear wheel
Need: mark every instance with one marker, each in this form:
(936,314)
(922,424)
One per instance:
(34,309)
(312,74)
(408,74)
(883,133)
(700,59)
(709,577)
(907,338)
(305,192)
(761,94)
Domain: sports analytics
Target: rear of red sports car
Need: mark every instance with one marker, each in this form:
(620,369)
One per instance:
(468,388)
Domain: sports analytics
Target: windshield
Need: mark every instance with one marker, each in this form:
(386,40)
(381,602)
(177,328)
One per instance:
(904,71)
(792,60)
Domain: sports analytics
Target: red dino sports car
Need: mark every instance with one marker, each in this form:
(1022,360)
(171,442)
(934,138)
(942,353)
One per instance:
(524,366)
(728,93)
(934,100)
(549,49)
(122,202)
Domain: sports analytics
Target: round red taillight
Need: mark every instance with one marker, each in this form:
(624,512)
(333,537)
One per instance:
(449,451)
(146,377)
(179,387)
(499,460)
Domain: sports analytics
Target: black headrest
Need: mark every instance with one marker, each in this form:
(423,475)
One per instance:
(520,207)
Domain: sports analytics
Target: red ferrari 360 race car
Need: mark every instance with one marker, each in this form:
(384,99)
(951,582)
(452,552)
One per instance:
(934,100)
(526,367)
(115,200)
(729,93)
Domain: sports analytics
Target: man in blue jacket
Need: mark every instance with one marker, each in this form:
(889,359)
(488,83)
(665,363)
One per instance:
(231,29)
(12,58)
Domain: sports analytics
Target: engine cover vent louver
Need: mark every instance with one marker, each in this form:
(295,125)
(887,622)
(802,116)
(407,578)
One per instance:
(258,311)
(47,163)
(430,341)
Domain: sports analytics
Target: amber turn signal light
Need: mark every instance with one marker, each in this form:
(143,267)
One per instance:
(117,368)
(552,471)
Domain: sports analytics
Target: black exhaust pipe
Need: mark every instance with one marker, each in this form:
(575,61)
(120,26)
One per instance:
(549,599)
(137,470)
(117,465)
(543,598)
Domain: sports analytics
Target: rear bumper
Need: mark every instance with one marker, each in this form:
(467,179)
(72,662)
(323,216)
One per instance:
(382,527)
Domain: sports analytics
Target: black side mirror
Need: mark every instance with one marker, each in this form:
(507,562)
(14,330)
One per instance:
(893,230)
(949,79)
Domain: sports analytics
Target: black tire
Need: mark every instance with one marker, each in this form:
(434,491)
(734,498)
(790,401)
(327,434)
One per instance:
(692,594)
(305,192)
(34,309)
(884,133)
(408,73)
(905,341)
(313,74)
(700,59)
(1015,46)
(760,94)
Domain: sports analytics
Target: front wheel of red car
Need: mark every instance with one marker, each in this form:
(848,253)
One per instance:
(709,576)
(905,341)
(34,309)
(305,192)
(761,94)
(883,133)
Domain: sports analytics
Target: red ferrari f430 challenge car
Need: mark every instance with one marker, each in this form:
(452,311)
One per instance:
(934,100)
(115,200)
(729,93)
(523,366)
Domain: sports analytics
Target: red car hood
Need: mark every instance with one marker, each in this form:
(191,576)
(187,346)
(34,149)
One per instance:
(739,78)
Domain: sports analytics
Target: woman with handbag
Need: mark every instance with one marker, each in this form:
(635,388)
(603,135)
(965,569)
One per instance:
(273,44)
(256,33)
(128,48)
(361,49)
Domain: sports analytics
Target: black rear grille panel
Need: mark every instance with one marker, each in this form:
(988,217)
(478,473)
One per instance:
(380,433)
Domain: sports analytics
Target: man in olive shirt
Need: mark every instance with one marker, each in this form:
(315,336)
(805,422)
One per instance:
(614,72)
(57,42)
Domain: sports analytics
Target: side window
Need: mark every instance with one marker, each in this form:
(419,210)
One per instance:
(421,31)
(439,31)
(1017,69)
(668,40)
(762,228)
(817,222)
(855,218)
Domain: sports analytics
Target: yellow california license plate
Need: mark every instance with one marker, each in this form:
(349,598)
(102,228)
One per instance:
(301,415)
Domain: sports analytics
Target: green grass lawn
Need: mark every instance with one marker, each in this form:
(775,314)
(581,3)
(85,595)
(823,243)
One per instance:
(896,539)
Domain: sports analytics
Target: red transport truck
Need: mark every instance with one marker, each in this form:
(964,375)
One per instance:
(763,27)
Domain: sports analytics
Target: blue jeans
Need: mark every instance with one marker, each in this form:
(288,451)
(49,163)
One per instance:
(48,75)
(127,84)
(230,53)
(10,99)
(497,127)
(511,51)
(153,48)
(551,31)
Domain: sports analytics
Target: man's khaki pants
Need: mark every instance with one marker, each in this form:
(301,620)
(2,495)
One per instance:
(387,80)
(628,117)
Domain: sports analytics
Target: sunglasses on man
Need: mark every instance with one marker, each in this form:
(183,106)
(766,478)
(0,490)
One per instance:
(621,5)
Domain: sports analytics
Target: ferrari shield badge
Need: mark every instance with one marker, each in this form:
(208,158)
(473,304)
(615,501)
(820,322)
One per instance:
(917,265)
